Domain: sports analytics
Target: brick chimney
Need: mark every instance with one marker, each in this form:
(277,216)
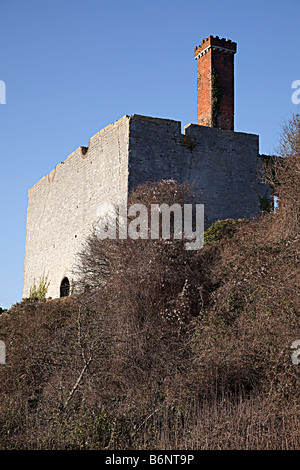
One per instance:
(215,82)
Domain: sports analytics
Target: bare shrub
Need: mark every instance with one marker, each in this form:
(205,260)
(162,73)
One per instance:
(99,259)
(284,176)
(242,338)
(151,295)
(166,349)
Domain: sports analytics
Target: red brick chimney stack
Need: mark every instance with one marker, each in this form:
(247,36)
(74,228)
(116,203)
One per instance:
(215,82)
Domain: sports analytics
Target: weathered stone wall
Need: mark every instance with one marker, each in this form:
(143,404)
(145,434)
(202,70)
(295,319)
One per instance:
(63,205)
(222,165)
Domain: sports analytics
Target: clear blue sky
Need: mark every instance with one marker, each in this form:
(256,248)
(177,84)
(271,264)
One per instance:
(73,66)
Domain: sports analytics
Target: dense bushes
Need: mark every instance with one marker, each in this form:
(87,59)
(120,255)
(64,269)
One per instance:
(284,175)
(163,347)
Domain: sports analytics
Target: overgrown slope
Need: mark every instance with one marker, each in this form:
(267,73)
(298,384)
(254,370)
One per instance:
(176,349)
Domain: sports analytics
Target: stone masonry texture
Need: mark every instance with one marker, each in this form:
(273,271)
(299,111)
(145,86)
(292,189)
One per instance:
(63,205)
(222,165)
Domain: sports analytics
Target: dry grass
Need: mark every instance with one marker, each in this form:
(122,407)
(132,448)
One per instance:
(174,350)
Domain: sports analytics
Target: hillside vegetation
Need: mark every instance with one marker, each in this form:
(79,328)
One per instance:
(164,348)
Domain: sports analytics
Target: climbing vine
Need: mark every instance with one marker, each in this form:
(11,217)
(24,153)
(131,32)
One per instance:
(216,97)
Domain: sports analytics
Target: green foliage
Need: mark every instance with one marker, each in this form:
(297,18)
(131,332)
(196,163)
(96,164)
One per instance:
(216,97)
(38,292)
(219,229)
(265,203)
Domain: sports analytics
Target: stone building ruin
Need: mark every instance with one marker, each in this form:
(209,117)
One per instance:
(222,165)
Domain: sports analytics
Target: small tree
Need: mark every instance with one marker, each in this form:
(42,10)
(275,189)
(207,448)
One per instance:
(38,292)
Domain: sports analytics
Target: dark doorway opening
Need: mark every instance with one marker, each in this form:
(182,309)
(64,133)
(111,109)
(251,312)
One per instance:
(65,287)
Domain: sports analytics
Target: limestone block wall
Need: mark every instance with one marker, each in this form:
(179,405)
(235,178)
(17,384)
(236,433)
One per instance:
(222,165)
(63,205)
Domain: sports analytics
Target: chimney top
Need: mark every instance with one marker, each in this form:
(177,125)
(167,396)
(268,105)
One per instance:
(215,82)
(226,45)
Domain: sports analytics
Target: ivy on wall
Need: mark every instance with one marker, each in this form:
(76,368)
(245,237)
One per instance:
(216,97)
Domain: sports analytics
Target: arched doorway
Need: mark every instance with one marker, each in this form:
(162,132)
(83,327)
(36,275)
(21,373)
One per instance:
(65,287)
